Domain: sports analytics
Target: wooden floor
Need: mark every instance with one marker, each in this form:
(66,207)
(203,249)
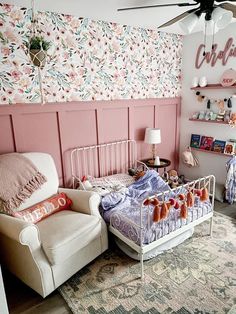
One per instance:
(22,299)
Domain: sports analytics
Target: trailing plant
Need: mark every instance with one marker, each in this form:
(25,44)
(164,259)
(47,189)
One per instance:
(38,42)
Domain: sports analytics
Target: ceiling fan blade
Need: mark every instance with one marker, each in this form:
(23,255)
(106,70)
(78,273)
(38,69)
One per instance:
(158,6)
(177,18)
(229,7)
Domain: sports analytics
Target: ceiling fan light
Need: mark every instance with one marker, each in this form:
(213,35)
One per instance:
(221,17)
(188,23)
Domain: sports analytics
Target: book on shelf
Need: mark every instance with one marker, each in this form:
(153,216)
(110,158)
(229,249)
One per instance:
(206,142)
(229,148)
(195,140)
(218,146)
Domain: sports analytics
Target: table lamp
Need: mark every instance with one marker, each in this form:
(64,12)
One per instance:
(153,136)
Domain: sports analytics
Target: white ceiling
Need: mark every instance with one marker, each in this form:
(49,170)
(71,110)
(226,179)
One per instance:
(107,10)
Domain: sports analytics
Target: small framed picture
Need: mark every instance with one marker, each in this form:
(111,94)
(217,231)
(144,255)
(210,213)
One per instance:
(229,148)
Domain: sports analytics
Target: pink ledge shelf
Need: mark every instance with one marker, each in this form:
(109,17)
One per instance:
(210,152)
(209,121)
(213,86)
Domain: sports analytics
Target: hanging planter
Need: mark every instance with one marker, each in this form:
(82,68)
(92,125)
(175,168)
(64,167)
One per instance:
(38,47)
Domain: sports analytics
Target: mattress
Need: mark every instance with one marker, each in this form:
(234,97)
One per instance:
(124,220)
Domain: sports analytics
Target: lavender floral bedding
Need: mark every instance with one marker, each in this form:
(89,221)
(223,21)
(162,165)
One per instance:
(119,208)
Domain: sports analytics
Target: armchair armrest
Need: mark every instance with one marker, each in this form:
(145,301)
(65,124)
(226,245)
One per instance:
(85,202)
(20,231)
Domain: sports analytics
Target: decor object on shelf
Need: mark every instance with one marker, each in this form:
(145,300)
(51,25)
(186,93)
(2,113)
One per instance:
(203,81)
(195,81)
(153,137)
(232,121)
(206,142)
(195,115)
(227,115)
(220,115)
(38,47)
(201,115)
(228,78)
(229,148)
(218,146)
(221,102)
(223,116)
(195,140)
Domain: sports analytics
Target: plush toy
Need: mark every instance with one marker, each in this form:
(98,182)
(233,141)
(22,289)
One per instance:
(232,121)
(173,178)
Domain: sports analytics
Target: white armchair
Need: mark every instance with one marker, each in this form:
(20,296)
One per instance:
(46,254)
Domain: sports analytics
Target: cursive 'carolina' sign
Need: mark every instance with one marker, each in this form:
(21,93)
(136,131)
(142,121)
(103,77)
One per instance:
(213,56)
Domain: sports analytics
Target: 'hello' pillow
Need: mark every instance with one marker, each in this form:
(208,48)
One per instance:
(45,208)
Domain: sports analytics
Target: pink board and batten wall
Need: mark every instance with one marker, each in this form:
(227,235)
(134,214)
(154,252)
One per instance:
(58,128)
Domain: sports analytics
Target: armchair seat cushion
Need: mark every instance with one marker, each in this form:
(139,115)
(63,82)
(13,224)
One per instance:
(66,232)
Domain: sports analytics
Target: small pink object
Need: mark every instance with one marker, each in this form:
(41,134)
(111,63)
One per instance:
(172,201)
(228,78)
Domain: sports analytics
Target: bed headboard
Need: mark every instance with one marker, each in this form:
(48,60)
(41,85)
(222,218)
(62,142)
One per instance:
(103,159)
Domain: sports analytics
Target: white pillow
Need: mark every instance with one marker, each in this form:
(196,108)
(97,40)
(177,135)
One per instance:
(119,178)
(104,185)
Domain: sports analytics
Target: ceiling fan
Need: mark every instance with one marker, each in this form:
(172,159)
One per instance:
(220,13)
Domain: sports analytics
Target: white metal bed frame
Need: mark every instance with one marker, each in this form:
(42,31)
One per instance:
(108,159)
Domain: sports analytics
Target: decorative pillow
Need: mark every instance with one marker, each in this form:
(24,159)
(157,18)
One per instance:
(119,178)
(45,208)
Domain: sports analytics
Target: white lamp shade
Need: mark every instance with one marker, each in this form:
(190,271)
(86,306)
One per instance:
(221,17)
(188,23)
(152,136)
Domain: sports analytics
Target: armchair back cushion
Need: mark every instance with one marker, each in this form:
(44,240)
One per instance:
(46,166)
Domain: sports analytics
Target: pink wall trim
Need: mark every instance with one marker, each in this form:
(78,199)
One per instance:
(59,127)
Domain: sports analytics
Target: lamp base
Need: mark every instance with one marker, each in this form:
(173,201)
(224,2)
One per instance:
(157,161)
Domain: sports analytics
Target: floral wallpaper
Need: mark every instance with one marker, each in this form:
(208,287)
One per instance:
(88,60)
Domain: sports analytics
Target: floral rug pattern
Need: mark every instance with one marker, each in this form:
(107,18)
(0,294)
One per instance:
(196,277)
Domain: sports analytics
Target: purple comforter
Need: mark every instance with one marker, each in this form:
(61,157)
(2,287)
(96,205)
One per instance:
(151,183)
(118,207)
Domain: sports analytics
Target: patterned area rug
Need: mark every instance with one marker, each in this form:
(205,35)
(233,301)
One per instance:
(198,276)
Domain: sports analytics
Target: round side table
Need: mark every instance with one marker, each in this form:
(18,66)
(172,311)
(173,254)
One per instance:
(164,163)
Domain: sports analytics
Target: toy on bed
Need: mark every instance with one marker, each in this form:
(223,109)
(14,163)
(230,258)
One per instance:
(173,178)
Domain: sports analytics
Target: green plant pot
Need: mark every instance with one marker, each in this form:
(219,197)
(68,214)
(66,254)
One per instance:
(38,57)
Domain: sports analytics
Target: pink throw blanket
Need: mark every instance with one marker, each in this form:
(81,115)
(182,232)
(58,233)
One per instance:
(19,178)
